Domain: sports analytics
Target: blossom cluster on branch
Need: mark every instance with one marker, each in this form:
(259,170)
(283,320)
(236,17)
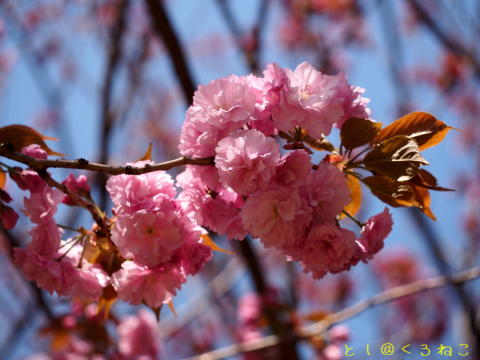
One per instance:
(263,134)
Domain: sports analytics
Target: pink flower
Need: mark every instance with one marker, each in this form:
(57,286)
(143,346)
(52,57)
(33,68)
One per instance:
(79,186)
(151,236)
(219,211)
(327,248)
(246,161)
(311,100)
(204,177)
(355,105)
(249,309)
(45,271)
(222,214)
(278,217)
(374,233)
(40,207)
(332,352)
(156,286)
(130,193)
(218,109)
(28,180)
(194,257)
(83,279)
(139,336)
(45,238)
(326,191)
(294,168)
(35,151)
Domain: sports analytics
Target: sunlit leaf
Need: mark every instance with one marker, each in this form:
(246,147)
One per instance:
(423,198)
(172,308)
(391,192)
(425,179)
(356,194)
(148,153)
(20,136)
(207,241)
(423,127)
(356,132)
(398,158)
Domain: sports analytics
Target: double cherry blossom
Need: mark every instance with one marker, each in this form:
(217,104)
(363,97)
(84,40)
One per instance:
(257,186)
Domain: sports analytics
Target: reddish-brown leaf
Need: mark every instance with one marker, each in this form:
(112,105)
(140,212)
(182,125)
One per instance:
(421,126)
(148,153)
(426,180)
(422,196)
(3,179)
(356,132)
(398,158)
(356,194)
(391,192)
(20,136)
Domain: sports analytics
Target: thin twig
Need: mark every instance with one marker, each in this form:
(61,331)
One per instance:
(321,326)
(82,164)
(97,216)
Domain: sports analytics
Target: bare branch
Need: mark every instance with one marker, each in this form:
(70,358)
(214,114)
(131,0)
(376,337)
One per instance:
(321,326)
(82,164)
(164,29)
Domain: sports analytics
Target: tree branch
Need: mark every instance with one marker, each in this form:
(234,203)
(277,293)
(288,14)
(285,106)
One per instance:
(82,164)
(164,29)
(106,114)
(321,326)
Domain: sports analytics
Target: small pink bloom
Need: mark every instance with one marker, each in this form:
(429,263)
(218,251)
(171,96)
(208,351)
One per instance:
(83,279)
(219,108)
(333,352)
(150,236)
(327,248)
(326,191)
(130,193)
(35,151)
(311,100)
(79,186)
(277,217)
(154,286)
(374,233)
(194,257)
(139,336)
(29,180)
(294,168)
(45,238)
(45,271)
(246,161)
(249,309)
(339,334)
(219,211)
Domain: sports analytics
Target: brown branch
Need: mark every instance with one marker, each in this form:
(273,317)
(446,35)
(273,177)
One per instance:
(106,114)
(82,164)
(281,328)
(452,45)
(321,326)
(97,215)
(164,29)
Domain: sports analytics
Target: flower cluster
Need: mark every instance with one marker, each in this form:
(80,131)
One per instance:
(286,200)
(66,274)
(160,244)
